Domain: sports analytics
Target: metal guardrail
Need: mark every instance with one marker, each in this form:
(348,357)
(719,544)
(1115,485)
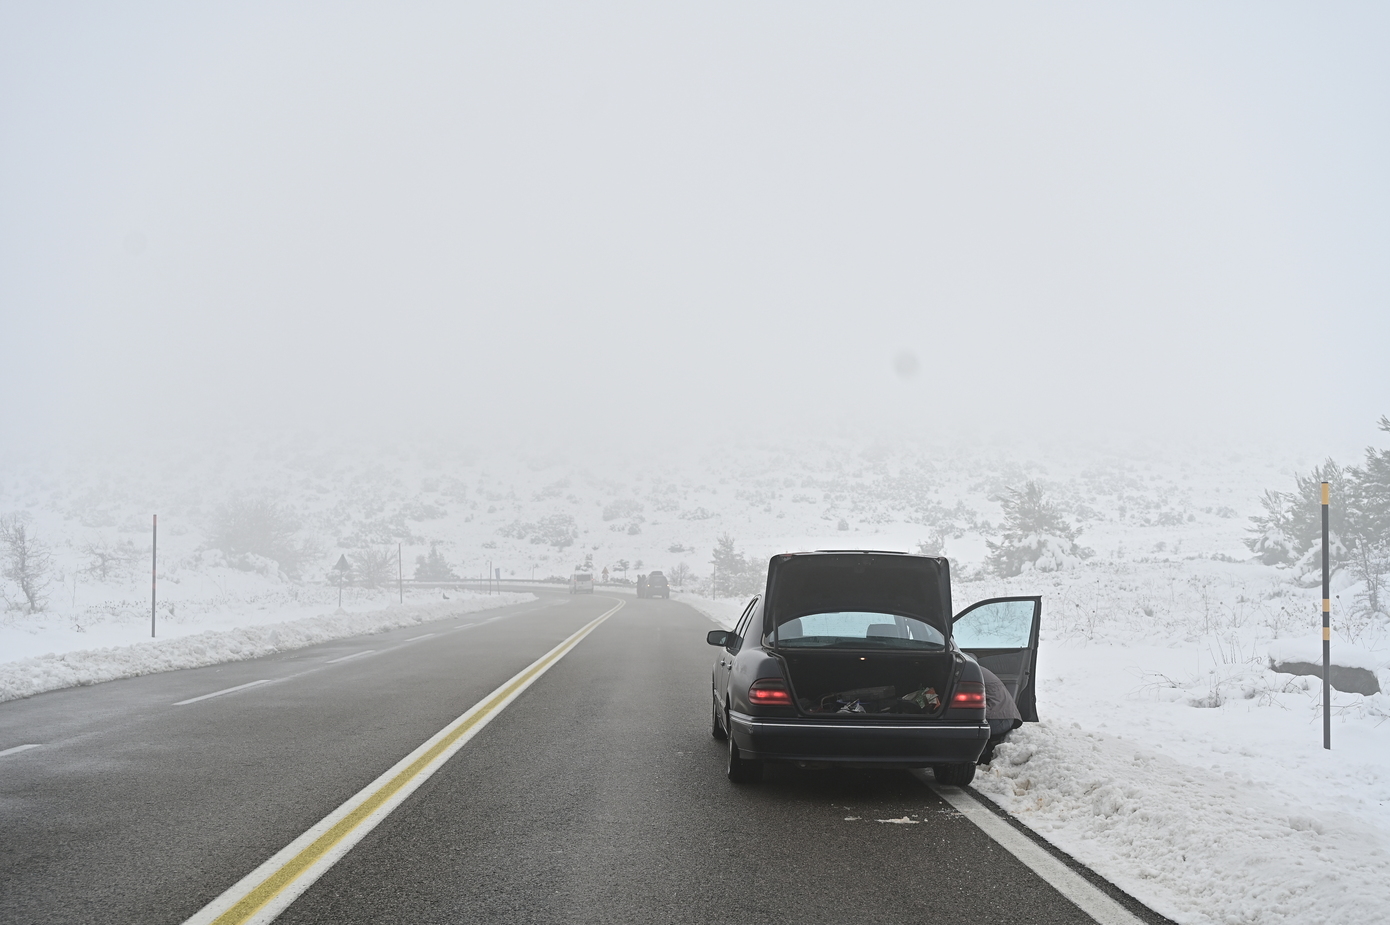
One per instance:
(510,584)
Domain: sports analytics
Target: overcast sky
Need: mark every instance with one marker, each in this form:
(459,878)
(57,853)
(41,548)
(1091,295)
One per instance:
(1060,217)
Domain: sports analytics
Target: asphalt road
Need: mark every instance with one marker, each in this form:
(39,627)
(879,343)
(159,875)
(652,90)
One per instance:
(597,796)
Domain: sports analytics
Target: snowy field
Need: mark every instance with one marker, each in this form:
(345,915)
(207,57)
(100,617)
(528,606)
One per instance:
(1171,758)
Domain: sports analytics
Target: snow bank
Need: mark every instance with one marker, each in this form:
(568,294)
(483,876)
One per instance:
(1309,649)
(28,676)
(1196,845)
(723,611)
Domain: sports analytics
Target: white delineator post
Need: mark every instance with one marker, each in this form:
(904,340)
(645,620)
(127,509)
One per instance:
(1326,628)
(154,566)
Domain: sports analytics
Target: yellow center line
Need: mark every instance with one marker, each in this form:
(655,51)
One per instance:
(292,870)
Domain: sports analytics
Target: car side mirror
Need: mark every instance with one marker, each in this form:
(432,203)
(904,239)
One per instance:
(719,637)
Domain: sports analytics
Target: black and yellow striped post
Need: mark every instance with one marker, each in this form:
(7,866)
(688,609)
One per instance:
(1326,630)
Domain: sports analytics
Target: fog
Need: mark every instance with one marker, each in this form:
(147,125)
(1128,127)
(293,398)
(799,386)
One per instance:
(1062,219)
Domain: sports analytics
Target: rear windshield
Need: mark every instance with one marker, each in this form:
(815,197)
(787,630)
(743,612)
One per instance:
(583,577)
(859,629)
(860,600)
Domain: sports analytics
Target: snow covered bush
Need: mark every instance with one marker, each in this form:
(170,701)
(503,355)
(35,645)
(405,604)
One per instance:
(247,528)
(623,508)
(434,567)
(1289,532)
(559,530)
(1035,536)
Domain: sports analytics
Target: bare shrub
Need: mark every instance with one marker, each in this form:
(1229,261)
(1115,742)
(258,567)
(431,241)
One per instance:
(680,575)
(375,567)
(26,561)
(107,560)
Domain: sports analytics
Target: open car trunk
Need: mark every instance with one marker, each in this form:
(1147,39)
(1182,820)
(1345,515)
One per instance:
(862,633)
(861,683)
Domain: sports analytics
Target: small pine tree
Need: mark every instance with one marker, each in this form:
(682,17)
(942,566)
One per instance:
(1035,535)
(1368,491)
(256,527)
(433,567)
(1289,533)
(733,575)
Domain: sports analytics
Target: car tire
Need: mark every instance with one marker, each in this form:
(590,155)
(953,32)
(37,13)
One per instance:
(743,770)
(716,728)
(957,774)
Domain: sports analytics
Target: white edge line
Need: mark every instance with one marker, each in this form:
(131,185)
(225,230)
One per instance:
(239,687)
(17,749)
(334,661)
(1058,875)
(292,891)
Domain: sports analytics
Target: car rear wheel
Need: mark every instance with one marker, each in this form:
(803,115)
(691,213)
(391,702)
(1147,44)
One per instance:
(954,775)
(716,728)
(743,770)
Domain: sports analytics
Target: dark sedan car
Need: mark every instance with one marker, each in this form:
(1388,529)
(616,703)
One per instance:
(653,585)
(854,659)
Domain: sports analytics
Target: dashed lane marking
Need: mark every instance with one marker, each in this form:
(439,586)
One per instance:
(465,626)
(229,690)
(1058,875)
(343,658)
(17,749)
(269,889)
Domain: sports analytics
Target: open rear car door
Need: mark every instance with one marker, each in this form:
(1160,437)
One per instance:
(1002,634)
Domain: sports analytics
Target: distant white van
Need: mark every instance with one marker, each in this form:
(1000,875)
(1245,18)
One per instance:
(582,583)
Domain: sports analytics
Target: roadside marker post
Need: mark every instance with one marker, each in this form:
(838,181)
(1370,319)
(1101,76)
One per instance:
(1326,629)
(154,567)
(400,574)
(342,569)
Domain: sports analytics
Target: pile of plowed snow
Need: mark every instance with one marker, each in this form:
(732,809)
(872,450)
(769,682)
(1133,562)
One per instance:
(1195,844)
(28,676)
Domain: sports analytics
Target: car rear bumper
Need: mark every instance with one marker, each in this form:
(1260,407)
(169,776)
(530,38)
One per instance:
(903,745)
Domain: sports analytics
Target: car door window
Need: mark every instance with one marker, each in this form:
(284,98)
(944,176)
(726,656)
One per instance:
(1003,624)
(1002,635)
(741,628)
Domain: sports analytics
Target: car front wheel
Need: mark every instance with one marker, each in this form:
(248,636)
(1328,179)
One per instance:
(954,775)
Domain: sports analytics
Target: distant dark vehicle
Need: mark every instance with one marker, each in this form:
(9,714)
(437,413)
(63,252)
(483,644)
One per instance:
(653,585)
(853,659)
(582,583)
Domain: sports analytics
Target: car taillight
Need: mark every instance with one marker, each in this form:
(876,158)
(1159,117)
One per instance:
(770,692)
(970,695)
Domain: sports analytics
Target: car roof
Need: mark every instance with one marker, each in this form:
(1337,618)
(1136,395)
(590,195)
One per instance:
(863,552)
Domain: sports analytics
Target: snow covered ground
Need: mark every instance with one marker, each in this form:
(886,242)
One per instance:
(1171,758)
